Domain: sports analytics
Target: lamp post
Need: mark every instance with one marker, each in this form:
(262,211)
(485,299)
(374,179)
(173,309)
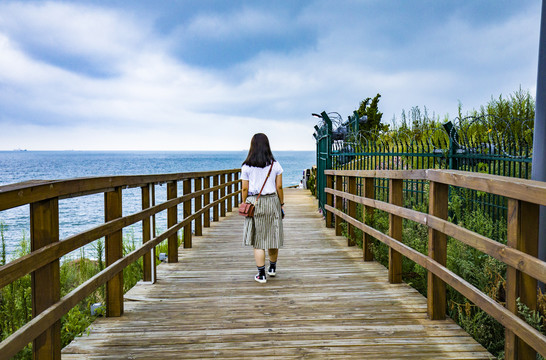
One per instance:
(539,149)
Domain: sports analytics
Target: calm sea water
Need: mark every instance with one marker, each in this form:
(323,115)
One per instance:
(79,214)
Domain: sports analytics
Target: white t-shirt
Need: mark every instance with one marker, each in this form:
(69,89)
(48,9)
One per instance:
(256,177)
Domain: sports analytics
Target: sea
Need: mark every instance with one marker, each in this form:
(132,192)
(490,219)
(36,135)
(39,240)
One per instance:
(82,213)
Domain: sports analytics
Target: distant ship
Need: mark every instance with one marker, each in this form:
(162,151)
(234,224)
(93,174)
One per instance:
(19,149)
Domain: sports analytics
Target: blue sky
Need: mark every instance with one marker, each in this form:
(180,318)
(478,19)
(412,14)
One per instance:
(207,75)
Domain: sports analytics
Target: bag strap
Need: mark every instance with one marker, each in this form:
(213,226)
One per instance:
(267,177)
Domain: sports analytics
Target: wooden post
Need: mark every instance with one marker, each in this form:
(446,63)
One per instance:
(187,214)
(222,194)
(198,205)
(437,250)
(395,231)
(172,219)
(230,191)
(114,252)
(215,211)
(352,211)
(339,204)
(45,282)
(206,201)
(522,235)
(329,199)
(153,216)
(236,198)
(147,262)
(368,214)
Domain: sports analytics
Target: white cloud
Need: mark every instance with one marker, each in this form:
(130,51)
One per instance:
(153,100)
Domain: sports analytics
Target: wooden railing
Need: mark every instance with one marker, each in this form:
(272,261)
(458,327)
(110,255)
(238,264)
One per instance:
(519,254)
(43,263)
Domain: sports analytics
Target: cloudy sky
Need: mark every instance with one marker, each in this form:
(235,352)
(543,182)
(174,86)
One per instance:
(206,75)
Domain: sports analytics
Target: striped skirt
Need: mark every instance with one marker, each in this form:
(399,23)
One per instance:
(264,230)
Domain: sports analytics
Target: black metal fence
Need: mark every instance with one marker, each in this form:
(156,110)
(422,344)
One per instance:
(478,144)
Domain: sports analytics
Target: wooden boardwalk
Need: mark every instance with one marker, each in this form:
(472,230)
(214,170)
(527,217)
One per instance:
(325,303)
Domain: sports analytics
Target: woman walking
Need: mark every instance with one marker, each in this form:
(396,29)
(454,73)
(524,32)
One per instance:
(260,171)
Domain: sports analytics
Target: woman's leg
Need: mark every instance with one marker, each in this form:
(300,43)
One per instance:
(259,256)
(273,254)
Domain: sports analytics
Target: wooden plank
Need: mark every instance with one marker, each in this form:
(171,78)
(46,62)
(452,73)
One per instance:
(437,250)
(351,211)
(198,184)
(114,252)
(172,219)
(187,214)
(206,201)
(395,231)
(329,200)
(147,263)
(45,281)
(368,212)
(344,309)
(338,205)
(522,235)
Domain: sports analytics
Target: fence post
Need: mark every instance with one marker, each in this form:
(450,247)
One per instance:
(437,250)
(206,201)
(114,252)
(523,219)
(45,282)
(153,216)
(339,204)
(186,187)
(222,194)
(172,219)
(236,187)
(198,206)
(230,191)
(147,263)
(329,199)
(368,214)
(215,212)
(352,211)
(395,231)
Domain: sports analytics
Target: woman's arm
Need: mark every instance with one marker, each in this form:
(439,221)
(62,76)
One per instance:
(245,190)
(278,184)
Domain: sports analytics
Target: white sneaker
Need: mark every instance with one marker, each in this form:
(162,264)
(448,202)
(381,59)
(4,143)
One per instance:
(260,279)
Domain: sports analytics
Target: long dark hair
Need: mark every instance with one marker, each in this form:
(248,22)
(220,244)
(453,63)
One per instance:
(260,154)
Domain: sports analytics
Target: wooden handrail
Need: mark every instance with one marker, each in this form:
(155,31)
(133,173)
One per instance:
(43,192)
(510,256)
(519,254)
(36,259)
(521,189)
(32,191)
